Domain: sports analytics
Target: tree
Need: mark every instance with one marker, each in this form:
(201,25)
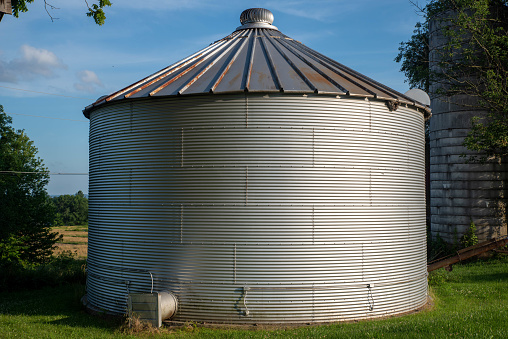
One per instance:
(473,62)
(25,208)
(71,209)
(95,11)
(414,56)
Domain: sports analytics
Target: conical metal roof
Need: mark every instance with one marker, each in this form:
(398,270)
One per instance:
(257,57)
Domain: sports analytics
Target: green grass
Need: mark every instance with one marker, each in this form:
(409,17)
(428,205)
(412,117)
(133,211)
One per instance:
(50,313)
(470,302)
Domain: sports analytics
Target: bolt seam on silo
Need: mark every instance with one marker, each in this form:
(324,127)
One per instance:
(363,279)
(234,264)
(313,237)
(181,148)
(181,223)
(246,185)
(131,114)
(313,147)
(246,110)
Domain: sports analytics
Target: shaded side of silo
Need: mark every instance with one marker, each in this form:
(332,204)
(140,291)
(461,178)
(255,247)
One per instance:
(259,208)
(461,192)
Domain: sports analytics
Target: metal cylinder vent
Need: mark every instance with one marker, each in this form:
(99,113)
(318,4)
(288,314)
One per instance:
(256,18)
(256,15)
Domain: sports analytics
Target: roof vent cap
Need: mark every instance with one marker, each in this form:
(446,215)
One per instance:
(256,18)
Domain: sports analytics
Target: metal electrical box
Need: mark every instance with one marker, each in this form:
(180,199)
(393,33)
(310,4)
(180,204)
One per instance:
(146,307)
(152,307)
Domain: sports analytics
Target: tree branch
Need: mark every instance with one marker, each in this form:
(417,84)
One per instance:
(46,5)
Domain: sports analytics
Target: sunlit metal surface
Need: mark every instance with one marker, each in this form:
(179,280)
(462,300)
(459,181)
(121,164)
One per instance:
(259,208)
(257,58)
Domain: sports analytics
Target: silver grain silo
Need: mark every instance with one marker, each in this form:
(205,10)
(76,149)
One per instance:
(258,181)
(460,192)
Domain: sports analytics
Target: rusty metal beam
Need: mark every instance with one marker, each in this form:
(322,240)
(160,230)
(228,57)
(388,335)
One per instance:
(467,253)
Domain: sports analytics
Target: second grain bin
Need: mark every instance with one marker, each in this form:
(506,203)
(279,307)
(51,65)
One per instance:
(258,181)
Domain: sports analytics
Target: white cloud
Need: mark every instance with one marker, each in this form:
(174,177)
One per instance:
(31,64)
(88,81)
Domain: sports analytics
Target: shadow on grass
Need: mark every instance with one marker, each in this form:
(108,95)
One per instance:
(54,305)
(476,278)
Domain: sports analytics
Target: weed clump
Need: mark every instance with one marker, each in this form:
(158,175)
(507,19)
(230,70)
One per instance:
(469,238)
(134,325)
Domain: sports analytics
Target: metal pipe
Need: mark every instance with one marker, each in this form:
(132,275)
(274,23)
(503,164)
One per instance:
(467,253)
(168,305)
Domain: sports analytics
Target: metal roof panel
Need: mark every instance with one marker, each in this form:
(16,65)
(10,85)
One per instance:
(256,57)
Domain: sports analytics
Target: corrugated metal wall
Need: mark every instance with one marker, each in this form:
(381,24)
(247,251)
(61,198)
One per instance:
(296,208)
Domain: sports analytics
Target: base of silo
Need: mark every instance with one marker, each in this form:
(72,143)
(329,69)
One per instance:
(89,308)
(429,306)
(95,311)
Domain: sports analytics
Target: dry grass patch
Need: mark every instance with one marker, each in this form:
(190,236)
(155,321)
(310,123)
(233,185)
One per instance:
(75,240)
(81,250)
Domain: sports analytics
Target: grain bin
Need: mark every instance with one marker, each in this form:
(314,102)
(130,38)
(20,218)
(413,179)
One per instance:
(258,181)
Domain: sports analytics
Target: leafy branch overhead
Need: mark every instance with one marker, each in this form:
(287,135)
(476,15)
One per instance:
(95,11)
(414,56)
(471,62)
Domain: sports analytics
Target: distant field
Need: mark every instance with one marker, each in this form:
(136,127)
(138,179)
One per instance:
(75,239)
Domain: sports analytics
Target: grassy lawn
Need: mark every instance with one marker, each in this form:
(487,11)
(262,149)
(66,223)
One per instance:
(470,302)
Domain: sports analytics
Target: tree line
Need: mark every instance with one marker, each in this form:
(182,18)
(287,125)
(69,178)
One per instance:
(70,209)
(27,212)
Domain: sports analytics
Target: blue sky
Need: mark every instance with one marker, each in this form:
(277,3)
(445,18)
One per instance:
(80,61)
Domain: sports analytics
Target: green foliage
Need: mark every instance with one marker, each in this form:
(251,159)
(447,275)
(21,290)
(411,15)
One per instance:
(20,6)
(473,62)
(438,248)
(414,56)
(11,249)
(469,238)
(25,208)
(71,209)
(95,11)
(438,277)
